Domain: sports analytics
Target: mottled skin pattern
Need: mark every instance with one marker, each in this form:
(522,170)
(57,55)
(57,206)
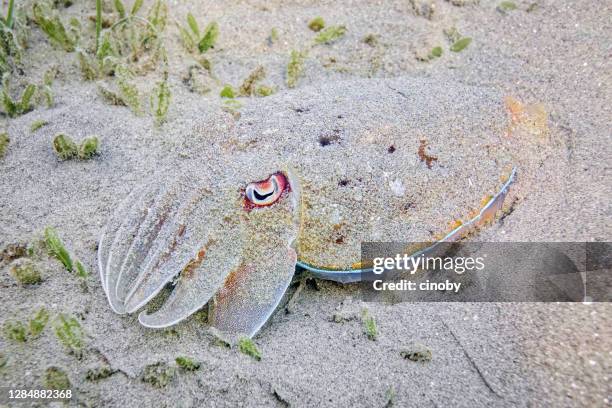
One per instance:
(236,223)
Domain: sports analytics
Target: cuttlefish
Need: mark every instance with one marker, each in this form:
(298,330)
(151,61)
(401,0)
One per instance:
(290,185)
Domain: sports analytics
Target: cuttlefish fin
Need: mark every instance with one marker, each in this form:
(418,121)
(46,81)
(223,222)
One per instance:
(486,214)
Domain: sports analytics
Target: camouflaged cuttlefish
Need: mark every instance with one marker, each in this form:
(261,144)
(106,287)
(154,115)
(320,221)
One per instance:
(290,185)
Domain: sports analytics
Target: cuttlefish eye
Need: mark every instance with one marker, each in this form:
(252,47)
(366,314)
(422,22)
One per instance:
(266,192)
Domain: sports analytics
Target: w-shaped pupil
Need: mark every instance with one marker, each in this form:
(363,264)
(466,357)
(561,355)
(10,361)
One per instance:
(260,197)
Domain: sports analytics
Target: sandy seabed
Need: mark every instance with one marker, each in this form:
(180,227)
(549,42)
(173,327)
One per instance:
(315,353)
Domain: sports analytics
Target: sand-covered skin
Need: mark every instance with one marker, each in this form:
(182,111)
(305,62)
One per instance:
(483,354)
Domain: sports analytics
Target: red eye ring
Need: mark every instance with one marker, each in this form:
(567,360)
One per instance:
(265,193)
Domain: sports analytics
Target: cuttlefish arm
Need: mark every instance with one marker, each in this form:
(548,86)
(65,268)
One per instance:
(163,229)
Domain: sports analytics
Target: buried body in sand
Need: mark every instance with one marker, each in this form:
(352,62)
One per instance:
(230,225)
